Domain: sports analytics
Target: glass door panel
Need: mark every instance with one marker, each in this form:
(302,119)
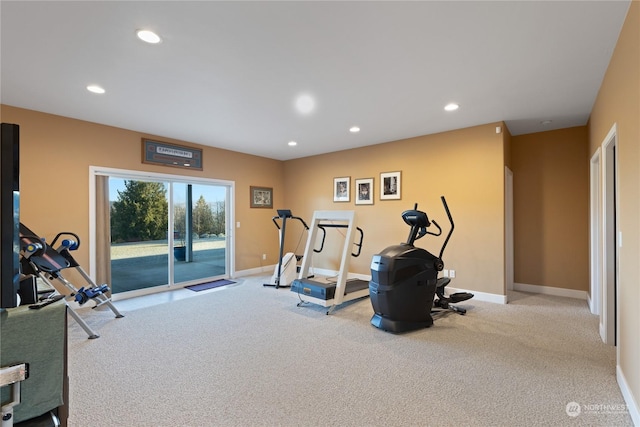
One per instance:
(138,216)
(199,228)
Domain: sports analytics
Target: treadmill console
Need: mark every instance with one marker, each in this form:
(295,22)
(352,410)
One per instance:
(284,213)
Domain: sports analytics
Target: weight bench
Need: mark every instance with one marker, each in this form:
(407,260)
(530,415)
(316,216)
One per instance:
(41,260)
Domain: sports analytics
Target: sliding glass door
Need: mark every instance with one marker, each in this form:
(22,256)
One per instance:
(163,231)
(139,245)
(199,247)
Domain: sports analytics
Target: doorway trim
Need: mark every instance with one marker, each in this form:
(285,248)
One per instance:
(124,173)
(609,238)
(595,246)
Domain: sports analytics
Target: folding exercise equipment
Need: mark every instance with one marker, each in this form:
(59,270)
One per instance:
(404,279)
(286,270)
(41,260)
(328,293)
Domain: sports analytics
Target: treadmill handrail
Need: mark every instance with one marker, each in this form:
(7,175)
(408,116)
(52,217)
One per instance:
(289,217)
(324,234)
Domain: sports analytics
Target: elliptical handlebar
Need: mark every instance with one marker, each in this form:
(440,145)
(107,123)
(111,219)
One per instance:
(446,208)
(433,221)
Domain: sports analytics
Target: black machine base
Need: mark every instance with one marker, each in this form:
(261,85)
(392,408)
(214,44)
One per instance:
(398,326)
(325,291)
(404,279)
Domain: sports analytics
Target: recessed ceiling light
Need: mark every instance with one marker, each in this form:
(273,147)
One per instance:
(292,143)
(451,107)
(546,122)
(148,36)
(305,104)
(95,89)
(354,129)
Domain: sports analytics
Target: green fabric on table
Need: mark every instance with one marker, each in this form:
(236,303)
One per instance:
(35,337)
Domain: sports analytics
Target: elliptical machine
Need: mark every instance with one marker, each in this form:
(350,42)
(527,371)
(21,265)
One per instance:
(404,279)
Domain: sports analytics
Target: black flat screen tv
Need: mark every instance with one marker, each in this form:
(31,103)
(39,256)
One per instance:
(9,215)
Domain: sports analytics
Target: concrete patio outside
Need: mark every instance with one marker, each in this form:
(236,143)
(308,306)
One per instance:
(145,264)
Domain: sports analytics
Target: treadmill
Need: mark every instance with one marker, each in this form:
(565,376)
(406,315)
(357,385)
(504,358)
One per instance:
(324,291)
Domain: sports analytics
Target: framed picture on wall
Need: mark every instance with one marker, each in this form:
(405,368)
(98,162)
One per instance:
(341,187)
(261,197)
(390,186)
(364,191)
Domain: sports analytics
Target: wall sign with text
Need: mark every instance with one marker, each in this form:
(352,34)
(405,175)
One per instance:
(160,153)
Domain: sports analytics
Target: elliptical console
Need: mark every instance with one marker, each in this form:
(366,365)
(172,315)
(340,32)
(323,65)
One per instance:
(404,278)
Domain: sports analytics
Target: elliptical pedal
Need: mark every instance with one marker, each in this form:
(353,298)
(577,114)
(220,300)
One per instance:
(459,297)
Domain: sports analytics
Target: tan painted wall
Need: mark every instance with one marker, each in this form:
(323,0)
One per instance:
(466,166)
(618,102)
(55,155)
(551,208)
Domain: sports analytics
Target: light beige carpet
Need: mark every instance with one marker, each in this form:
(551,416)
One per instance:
(247,356)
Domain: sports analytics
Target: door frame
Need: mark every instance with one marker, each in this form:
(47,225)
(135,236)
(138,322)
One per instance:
(609,238)
(595,241)
(132,174)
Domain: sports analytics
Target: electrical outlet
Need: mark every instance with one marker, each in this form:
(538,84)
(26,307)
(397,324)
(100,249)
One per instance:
(452,273)
(445,273)
(264,256)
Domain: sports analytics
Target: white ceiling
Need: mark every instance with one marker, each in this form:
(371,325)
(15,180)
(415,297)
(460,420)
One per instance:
(227,73)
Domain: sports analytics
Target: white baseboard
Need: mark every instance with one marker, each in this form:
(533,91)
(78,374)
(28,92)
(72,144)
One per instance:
(548,290)
(265,269)
(481,296)
(632,405)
